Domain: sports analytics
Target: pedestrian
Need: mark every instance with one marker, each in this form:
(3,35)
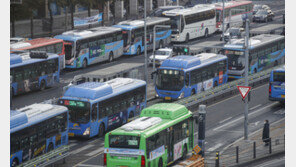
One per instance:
(265,134)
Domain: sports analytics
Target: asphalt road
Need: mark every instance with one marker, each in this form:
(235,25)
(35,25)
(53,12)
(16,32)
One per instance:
(224,120)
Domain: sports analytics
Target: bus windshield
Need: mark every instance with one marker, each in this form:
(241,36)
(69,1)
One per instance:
(120,141)
(236,59)
(279,77)
(175,24)
(170,80)
(79,111)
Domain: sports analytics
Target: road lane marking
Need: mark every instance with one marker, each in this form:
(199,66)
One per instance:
(95,152)
(242,117)
(225,120)
(72,144)
(215,147)
(81,149)
(256,106)
(271,162)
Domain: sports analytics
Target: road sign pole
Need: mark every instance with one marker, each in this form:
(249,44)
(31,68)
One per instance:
(145,42)
(246,78)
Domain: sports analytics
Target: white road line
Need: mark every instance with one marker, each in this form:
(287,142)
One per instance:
(242,117)
(81,149)
(215,147)
(255,106)
(95,152)
(72,144)
(225,120)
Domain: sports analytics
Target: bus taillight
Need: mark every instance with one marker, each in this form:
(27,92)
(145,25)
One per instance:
(269,89)
(143,161)
(105,159)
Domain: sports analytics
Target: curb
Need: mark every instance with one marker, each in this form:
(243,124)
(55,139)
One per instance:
(248,163)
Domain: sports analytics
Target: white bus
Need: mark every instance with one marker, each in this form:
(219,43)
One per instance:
(190,23)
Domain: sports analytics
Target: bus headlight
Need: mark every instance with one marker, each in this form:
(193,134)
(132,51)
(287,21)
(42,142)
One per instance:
(156,94)
(86,132)
(181,95)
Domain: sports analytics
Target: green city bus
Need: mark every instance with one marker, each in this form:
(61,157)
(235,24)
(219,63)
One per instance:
(161,135)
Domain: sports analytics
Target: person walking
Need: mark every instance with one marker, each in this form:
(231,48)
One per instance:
(265,134)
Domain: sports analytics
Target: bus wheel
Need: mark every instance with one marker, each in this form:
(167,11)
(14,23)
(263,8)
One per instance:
(206,33)
(50,147)
(276,63)
(14,163)
(187,38)
(255,70)
(160,44)
(84,63)
(42,85)
(131,115)
(160,163)
(111,57)
(184,152)
(192,92)
(138,51)
(101,130)
(215,84)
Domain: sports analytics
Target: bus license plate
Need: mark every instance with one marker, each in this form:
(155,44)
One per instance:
(71,134)
(283,96)
(167,98)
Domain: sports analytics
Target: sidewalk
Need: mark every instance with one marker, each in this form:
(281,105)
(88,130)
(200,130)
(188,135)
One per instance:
(228,157)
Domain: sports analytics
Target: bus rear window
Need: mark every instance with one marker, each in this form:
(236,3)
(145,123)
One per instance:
(279,77)
(121,141)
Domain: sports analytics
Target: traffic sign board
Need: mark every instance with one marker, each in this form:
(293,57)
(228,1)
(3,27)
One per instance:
(196,149)
(244,90)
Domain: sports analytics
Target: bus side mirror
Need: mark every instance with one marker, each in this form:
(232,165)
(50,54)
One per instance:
(153,73)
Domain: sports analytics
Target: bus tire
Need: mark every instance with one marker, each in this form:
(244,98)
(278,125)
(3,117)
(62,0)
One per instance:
(15,162)
(255,70)
(192,92)
(131,115)
(138,51)
(111,56)
(50,147)
(101,130)
(84,63)
(184,152)
(160,44)
(160,162)
(187,38)
(215,84)
(276,63)
(206,33)
(42,85)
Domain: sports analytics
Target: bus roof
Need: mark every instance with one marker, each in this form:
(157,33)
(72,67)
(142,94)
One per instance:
(75,35)
(266,29)
(254,41)
(132,24)
(229,4)
(280,69)
(34,43)
(17,60)
(99,91)
(33,114)
(154,119)
(187,62)
(188,11)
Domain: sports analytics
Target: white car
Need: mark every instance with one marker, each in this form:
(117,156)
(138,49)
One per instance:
(161,55)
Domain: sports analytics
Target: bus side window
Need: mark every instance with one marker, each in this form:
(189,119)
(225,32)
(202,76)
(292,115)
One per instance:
(187,79)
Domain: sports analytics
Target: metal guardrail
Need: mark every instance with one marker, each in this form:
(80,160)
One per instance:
(225,89)
(48,158)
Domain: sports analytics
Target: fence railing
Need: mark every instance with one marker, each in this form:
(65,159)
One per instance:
(245,153)
(48,158)
(225,90)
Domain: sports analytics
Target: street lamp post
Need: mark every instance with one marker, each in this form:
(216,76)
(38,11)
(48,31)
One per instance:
(223,7)
(246,78)
(145,42)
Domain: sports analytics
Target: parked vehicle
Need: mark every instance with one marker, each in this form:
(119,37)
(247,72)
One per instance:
(256,8)
(263,16)
(161,55)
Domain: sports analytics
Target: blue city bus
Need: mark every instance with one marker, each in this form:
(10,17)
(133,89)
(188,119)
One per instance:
(85,47)
(133,34)
(183,76)
(96,107)
(35,130)
(277,85)
(265,51)
(33,71)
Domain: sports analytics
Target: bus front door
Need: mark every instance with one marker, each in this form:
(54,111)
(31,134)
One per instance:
(170,145)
